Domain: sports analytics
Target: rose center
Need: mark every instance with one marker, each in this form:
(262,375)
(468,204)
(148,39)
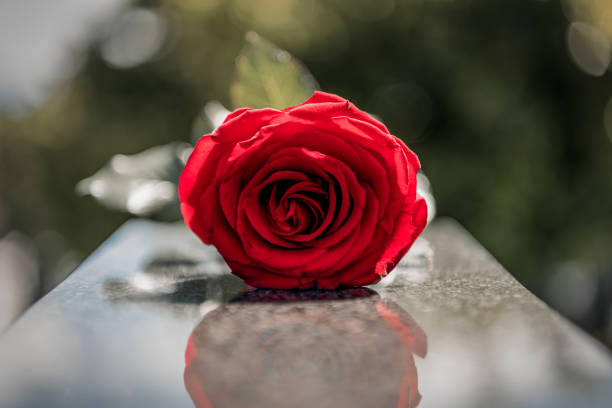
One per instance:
(296,207)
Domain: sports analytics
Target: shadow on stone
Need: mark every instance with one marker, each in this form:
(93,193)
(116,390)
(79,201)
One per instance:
(174,278)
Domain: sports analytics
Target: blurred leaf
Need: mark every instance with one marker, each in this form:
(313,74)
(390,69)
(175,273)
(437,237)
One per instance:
(144,184)
(211,116)
(268,77)
(424,190)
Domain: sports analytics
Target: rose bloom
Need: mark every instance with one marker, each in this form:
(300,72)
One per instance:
(316,195)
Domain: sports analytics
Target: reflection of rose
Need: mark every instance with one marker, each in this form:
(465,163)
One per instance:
(316,195)
(346,348)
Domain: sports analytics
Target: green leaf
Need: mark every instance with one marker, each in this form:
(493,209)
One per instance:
(268,77)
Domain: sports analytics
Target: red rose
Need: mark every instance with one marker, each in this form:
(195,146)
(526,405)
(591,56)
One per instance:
(316,195)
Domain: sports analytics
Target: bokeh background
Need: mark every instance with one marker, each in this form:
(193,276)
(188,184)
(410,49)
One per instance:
(507,103)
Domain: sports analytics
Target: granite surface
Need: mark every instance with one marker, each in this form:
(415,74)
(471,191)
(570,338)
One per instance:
(153,318)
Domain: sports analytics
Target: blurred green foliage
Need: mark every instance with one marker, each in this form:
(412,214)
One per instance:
(268,77)
(509,129)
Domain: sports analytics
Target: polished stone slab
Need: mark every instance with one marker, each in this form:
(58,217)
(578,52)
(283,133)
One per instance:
(153,318)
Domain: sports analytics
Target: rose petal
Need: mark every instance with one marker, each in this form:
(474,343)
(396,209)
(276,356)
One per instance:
(242,124)
(364,242)
(410,224)
(286,261)
(324,105)
(263,278)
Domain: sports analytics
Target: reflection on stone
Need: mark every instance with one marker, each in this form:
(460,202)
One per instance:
(274,348)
